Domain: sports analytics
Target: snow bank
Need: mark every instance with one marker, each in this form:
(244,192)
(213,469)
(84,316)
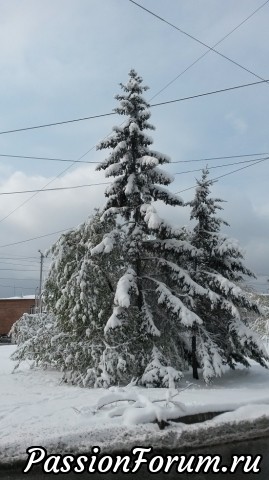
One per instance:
(36,409)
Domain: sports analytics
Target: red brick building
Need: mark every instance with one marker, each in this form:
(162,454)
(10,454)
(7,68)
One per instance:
(11,309)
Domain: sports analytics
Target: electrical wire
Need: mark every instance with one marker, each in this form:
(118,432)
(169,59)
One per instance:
(16,286)
(108,183)
(208,51)
(218,166)
(203,159)
(46,185)
(17,270)
(182,99)
(19,257)
(209,159)
(27,157)
(189,188)
(22,259)
(45,125)
(17,264)
(36,238)
(213,92)
(225,174)
(80,158)
(55,188)
(156,94)
(16,278)
(212,49)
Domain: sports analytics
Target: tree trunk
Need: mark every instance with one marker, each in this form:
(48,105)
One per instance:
(194,358)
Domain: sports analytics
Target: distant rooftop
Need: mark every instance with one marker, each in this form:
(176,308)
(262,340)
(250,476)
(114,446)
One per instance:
(22,297)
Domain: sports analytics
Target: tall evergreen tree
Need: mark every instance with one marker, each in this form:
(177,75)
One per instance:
(150,316)
(224,336)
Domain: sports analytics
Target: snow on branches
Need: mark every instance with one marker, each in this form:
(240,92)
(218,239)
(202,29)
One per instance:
(132,296)
(139,304)
(225,337)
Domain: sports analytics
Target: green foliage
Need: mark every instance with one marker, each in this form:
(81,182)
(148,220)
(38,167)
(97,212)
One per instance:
(149,314)
(78,292)
(130,296)
(32,333)
(224,337)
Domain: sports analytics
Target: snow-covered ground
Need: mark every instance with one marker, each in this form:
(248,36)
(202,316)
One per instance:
(36,409)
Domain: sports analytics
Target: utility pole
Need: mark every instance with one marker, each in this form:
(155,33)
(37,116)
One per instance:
(40,280)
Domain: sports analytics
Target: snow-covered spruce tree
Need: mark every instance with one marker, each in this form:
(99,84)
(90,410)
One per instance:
(79,292)
(224,337)
(146,333)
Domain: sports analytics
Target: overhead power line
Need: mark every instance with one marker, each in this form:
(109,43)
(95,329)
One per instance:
(36,238)
(156,94)
(226,157)
(17,286)
(108,183)
(219,166)
(242,168)
(203,159)
(212,49)
(17,270)
(82,156)
(86,153)
(213,92)
(17,257)
(181,191)
(226,174)
(46,185)
(55,188)
(30,262)
(16,264)
(28,157)
(182,99)
(208,51)
(89,150)
(21,279)
(58,123)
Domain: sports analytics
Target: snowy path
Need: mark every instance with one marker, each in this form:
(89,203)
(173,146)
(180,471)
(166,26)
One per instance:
(36,410)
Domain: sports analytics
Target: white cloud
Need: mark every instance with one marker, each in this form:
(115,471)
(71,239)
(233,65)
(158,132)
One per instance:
(237,123)
(51,209)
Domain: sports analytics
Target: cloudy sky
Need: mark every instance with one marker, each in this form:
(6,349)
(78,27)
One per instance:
(64,59)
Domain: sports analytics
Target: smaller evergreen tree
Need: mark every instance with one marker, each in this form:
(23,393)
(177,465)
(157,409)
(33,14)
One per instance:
(224,336)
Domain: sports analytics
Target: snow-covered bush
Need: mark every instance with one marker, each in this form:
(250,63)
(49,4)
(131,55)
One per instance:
(32,334)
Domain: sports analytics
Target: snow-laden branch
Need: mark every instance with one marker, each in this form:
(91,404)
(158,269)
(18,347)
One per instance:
(174,305)
(106,245)
(125,287)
